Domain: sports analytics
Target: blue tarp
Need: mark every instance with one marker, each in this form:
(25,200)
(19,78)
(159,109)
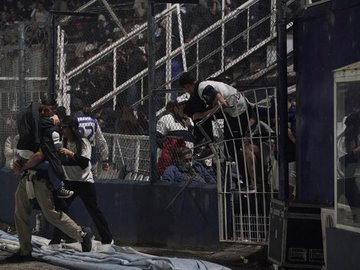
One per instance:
(105,257)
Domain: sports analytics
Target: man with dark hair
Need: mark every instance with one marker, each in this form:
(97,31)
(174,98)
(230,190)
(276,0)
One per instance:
(184,168)
(50,142)
(237,112)
(91,130)
(214,94)
(34,186)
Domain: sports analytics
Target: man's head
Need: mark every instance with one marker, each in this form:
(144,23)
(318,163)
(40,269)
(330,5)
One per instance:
(47,108)
(76,105)
(187,82)
(181,155)
(352,121)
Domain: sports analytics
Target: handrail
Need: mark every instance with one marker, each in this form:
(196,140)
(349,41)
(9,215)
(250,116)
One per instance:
(115,45)
(178,50)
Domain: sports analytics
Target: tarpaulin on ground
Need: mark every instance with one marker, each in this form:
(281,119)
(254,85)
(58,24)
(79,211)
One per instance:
(105,257)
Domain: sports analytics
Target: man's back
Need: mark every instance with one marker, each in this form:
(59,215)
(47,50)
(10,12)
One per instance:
(91,130)
(88,127)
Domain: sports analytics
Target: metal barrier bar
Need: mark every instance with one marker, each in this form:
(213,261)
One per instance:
(244,193)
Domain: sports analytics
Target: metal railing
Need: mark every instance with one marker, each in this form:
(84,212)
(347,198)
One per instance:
(185,49)
(246,169)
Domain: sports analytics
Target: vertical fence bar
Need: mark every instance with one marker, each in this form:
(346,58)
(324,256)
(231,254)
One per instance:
(22,69)
(52,56)
(222,35)
(168,52)
(181,36)
(221,197)
(137,155)
(151,80)
(282,95)
(61,60)
(114,76)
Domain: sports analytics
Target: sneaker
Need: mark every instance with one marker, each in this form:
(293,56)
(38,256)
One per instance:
(250,189)
(55,241)
(204,154)
(17,258)
(111,242)
(64,193)
(86,243)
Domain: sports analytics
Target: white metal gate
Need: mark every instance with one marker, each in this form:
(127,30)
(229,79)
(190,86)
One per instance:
(245,169)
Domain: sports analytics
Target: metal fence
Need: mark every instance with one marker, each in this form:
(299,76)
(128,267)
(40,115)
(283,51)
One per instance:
(129,158)
(246,166)
(108,68)
(23,77)
(103,61)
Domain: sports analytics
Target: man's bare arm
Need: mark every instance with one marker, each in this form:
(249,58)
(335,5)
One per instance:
(34,160)
(219,100)
(200,115)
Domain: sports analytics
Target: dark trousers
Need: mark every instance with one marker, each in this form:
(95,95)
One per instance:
(234,131)
(87,193)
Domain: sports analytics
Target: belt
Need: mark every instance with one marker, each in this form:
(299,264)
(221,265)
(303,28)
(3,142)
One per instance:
(36,174)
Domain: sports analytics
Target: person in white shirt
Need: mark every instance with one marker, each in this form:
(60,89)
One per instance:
(90,128)
(214,94)
(11,141)
(172,128)
(238,114)
(79,177)
(10,150)
(40,15)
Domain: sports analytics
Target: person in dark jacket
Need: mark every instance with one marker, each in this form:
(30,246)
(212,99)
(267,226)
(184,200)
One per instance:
(348,151)
(50,142)
(186,169)
(37,129)
(136,62)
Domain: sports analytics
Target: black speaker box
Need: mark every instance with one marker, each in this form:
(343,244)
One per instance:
(295,238)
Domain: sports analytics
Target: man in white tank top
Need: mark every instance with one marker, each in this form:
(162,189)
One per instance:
(237,110)
(216,94)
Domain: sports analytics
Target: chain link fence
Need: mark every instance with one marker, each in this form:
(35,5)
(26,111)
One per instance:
(96,58)
(105,61)
(23,77)
(102,59)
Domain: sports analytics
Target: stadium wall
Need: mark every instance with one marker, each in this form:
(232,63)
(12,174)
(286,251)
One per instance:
(326,37)
(137,212)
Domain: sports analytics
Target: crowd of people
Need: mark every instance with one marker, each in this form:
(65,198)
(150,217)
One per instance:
(96,81)
(248,135)
(177,129)
(14,11)
(87,36)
